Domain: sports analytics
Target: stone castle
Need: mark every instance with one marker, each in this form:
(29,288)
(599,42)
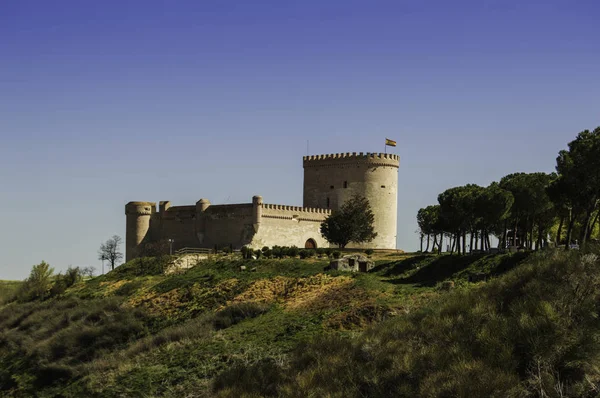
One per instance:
(329,180)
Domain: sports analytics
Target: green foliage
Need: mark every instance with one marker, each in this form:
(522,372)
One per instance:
(292,251)
(38,285)
(369,252)
(336,254)
(529,333)
(8,290)
(238,312)
(353,222)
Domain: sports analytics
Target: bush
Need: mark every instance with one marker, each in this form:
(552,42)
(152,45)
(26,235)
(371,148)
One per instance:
(292,251)
(37,286)
(257,254)
(304,254)
(320,252)
(336,254)
(246,252)
(369,252)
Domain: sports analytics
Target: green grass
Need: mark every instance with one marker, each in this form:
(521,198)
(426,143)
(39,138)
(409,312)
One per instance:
(7,290)
(137,332)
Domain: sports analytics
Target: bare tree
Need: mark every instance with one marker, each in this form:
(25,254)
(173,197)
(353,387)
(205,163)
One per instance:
(88,271)
(109,251)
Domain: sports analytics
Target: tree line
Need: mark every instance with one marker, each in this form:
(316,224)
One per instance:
(528,210)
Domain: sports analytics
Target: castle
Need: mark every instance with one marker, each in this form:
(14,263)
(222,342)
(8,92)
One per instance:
(329,180)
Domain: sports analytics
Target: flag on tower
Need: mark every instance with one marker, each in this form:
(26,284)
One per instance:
(390,142)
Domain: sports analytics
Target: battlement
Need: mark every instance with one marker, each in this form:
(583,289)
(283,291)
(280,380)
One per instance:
(296,209)
(360,157)
(140,208)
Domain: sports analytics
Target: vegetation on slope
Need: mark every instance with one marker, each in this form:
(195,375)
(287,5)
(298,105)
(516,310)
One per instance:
(136,331)
(532,332)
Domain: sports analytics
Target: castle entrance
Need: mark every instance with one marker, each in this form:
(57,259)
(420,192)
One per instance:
(310,244)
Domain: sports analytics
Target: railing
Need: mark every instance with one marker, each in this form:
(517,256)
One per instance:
(193,250)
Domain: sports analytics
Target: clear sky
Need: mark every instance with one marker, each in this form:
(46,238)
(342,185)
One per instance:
(103,102)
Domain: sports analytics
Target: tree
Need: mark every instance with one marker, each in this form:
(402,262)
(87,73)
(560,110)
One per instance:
(39,283)
(579,180)
(353,222)
(109,251)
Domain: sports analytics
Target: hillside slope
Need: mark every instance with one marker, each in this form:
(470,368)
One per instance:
(138,332)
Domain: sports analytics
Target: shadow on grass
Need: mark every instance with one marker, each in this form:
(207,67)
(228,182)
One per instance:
(439,269)
(443,267)
(399,267)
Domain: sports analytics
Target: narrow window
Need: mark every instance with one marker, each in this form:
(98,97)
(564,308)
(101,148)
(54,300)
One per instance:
(383,186)
(328,203)
(331,186)
(345,184)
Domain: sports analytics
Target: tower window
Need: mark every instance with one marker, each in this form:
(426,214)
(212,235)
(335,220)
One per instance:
(383,186)
(328,203)
(331,186)
(345,184)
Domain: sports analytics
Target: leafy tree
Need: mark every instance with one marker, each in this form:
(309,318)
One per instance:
(38,284)
(579,180)
(110,251)
(353,222)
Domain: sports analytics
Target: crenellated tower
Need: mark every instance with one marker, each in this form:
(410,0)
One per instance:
(330,180)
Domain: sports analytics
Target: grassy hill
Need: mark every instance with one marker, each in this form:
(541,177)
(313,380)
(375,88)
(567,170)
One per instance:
(286,327)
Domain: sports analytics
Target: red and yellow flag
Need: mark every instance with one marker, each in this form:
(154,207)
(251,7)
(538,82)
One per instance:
(389,142)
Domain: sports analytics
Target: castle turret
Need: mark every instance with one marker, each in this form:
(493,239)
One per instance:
(138,216)
(257,204)
(330,180)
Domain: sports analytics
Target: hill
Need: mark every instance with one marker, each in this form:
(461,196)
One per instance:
(279,327)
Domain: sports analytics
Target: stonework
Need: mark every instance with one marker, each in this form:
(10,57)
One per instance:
(329,180)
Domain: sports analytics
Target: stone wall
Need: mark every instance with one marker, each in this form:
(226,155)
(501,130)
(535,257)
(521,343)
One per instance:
(330,180)
(289,226)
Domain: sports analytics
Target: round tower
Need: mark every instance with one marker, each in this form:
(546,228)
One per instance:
(138,225)
(330,180)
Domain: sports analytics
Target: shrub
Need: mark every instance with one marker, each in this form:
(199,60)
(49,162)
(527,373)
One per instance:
(336,254)
(38,284)
(257,253)
(304,253)
(369,252)
(320,252)
(292,251)
(246,252)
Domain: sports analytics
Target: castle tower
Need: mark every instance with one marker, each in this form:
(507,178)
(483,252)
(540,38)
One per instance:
(330,180)
(138,216)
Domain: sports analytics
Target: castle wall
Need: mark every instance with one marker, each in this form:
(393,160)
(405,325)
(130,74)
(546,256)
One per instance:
(330,180)
(177,223)
(228,225)
(289,226)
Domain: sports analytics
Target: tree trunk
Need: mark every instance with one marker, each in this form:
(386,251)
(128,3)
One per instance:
(453,240)
(435,241)
(471,242)
(441,243)
(586,223)
(427,248)
(515,232)
(569,230)
(464,242)
(421,238)
(593,225)
(559,232)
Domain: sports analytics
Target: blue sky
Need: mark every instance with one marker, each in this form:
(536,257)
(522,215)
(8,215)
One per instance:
(106,102)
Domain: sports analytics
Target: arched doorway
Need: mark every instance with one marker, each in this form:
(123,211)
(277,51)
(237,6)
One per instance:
(310,244)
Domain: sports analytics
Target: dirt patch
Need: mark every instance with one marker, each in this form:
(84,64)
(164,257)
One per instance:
(314,292)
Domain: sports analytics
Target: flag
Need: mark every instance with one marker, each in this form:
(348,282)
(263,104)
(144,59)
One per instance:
(390,142)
